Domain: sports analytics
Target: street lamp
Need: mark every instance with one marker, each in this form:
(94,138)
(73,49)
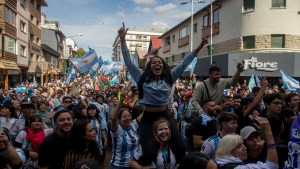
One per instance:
(74,35)
(211,25)
(192,18)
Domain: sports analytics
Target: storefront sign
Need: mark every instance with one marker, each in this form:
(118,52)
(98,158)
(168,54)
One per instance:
(252,63)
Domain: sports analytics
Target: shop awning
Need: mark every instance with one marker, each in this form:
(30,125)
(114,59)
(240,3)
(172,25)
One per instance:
(34,68)
(9,65)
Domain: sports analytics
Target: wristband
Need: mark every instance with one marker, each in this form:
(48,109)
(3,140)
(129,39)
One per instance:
(271,146)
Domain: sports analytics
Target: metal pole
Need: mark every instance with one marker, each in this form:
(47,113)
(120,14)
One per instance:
(192,21)
(211,26)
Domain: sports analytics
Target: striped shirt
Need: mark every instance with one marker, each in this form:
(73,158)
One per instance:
(210,146)
(124,144)
(100,127)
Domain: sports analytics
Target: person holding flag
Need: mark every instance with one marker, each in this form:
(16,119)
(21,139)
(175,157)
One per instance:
(154,86)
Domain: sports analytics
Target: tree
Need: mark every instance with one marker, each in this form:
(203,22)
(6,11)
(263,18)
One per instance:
(79,53)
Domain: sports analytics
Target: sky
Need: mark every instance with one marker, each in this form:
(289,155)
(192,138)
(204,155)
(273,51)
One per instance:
(99,20)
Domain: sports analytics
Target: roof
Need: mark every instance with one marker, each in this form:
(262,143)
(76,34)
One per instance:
(141,54)
(155,42)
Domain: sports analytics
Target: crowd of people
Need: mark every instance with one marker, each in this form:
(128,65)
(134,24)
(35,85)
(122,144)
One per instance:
(160,122)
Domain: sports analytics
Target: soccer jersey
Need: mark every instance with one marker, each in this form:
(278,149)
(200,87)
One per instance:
(100,127)
(124,144)
(210,146)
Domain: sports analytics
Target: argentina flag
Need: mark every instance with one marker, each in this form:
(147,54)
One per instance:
(114,80)
(192,65)
(85,63)
(71,74)
(113,67)
(96,67)
(288,82)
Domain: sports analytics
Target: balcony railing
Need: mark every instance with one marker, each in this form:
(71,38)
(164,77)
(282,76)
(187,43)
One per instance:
(215,30)
(183,41)
(167,48)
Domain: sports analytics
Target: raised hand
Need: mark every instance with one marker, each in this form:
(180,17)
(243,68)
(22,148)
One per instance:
(240,67)
(264,82)
(122,32)
(204,42)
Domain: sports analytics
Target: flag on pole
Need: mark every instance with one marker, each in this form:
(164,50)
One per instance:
(113,67)
(34,82)
(86,62)
(71,74)
(192,65)
(288,82)
(96,67)
(257,80)
(251,83)
(114,80)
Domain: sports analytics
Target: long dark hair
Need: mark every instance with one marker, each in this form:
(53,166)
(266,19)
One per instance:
(77,142)
(166,74)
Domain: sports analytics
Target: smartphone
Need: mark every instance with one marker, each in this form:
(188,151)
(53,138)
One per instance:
(1,130)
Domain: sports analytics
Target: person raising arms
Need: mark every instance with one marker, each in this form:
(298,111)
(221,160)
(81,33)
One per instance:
(154,85)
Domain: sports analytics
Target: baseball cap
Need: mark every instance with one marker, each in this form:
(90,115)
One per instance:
(247,131)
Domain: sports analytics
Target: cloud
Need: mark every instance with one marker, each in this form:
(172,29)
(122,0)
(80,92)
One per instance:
(144,1)
(181,15)
(143,10)
(121,14)
(165,8)
(160,25)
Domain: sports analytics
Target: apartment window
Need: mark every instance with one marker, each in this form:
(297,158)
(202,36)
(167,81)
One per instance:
(22,50)
(278,3)
(10,45)
(10,16)
(173,58)
(23,26)
(206,20)
(145,37)
(249,5)
(31,18)
(216,16)
(0,12)
(248,42)
(195,27)
(138,37)
(278,41)
(32,38)
(173,39)
(37,23)
(167,40)
(183,32)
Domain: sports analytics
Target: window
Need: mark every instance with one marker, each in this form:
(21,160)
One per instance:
(32,38)
(23,26)
(37,23)
(167,59)
(277,41)
(173,39)
(22,50)
(173,58)
(145,37)
(206,20)
(10,16)
(195,27)
(167,40)
(31,18)
(249,5)
(216,16)
(183,32)
(182,55)
(138,37)
(278,3)
(248,42)
(10,45)
(0,12)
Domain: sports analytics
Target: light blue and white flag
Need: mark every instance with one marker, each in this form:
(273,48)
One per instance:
(71,74)
(96,67)
(114,80)
(192,65)
(251,83)
(20,89)
(86,62)
(288,82)
(112,67)
(257,80)
(34,82)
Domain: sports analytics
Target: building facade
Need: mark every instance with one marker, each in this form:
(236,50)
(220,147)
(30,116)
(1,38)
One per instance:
(136,41)
(260,31)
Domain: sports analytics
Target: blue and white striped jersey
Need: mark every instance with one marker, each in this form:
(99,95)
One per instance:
(210,146)
(124,144)
(294,146)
